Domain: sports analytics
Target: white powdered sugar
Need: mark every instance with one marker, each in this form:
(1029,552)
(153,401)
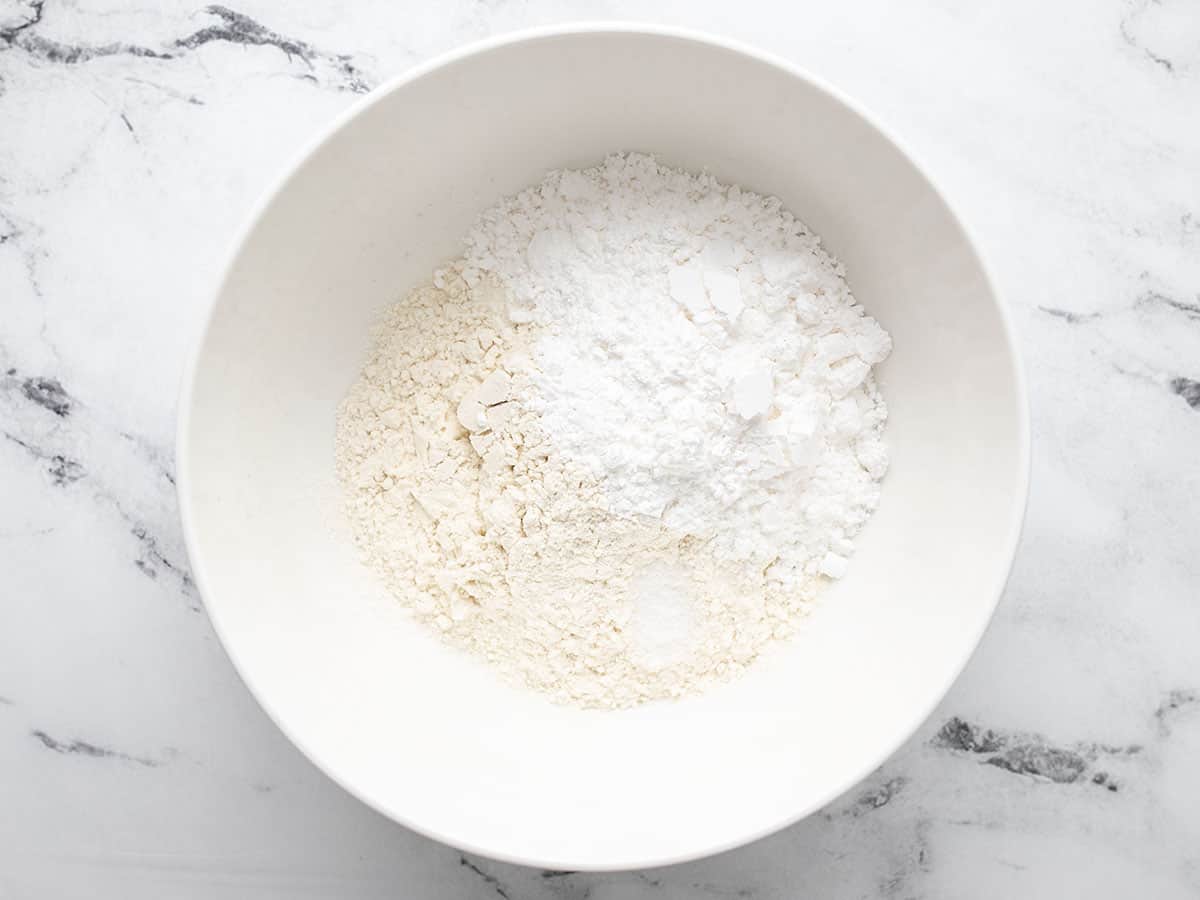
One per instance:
(617,447)
(703,357)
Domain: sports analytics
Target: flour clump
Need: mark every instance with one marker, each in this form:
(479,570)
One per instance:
(617,447)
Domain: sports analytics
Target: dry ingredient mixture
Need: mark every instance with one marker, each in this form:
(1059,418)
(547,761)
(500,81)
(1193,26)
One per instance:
(616,448)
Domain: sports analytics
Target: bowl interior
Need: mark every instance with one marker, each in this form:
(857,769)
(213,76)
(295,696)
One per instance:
(427,735)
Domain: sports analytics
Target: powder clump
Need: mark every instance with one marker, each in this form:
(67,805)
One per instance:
(617,447)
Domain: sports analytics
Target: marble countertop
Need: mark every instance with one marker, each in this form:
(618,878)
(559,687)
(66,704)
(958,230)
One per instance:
(134,137)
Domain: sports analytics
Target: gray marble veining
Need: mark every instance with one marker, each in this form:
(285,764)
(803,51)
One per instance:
(133,140)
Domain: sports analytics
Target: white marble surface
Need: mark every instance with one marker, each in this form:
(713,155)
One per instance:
(133,138)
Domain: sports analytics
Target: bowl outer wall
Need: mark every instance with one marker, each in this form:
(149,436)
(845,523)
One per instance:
(994,588)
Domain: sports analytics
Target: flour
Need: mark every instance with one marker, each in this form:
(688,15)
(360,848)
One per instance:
(474,520)
(616,448)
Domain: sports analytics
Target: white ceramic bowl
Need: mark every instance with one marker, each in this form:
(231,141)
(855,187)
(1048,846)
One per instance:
(426,735)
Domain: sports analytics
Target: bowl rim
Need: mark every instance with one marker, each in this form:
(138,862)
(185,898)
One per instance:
(266,198)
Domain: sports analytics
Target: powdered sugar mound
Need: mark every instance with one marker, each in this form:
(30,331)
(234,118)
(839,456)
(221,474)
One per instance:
(701,355)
